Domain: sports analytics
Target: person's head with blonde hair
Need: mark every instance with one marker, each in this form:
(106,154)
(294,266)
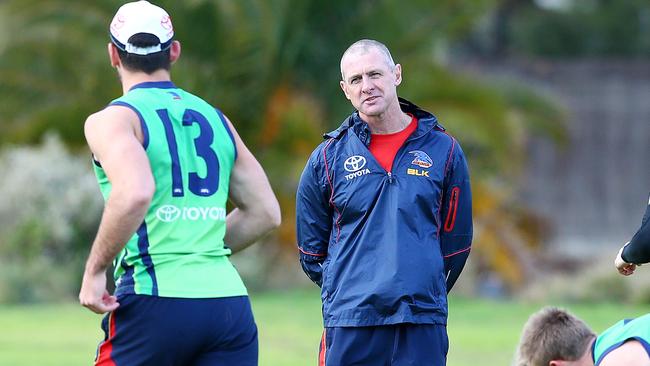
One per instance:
(554,337)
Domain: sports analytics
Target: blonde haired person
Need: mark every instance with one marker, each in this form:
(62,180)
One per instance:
(554,337)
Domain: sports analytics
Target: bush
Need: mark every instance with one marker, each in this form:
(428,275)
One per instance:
(593,281)
(49,211)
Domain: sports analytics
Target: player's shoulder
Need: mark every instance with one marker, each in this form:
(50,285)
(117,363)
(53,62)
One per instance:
(111,115)
(113,112)
(630,353)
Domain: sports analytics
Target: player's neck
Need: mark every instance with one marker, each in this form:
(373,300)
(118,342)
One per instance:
(130,79)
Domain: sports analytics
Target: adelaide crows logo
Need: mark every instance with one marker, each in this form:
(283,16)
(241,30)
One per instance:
(421,159)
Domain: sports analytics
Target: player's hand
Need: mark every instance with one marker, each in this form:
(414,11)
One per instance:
(94,295)
(623,267)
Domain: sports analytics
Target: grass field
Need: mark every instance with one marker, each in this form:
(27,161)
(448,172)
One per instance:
(481,332)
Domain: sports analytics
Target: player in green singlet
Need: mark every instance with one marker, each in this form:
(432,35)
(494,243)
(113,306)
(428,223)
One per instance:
(167,162)
(554,337)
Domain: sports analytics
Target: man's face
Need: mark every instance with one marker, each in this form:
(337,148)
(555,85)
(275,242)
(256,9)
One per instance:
(370,83)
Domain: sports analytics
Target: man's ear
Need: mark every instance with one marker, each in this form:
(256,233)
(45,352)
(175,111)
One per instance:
(113,56)
(175,51)
(345,90)
(398,74)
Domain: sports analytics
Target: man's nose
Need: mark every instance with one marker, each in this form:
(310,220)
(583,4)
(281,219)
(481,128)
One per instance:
(366,84)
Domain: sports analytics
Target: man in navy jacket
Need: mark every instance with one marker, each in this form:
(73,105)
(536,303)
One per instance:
(384,222)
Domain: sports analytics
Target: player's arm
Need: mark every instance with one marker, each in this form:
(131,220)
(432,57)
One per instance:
(456,215)
(630,353)
(256,209)
(637,251)
(313,219)
(111,136)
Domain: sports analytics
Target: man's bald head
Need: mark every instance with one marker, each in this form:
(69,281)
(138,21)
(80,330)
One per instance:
(365,46)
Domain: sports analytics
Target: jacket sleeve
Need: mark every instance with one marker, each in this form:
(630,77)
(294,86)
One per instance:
(313,219)
(456,215)
(638,250)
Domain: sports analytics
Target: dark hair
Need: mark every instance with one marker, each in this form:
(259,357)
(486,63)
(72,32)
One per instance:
(145,63)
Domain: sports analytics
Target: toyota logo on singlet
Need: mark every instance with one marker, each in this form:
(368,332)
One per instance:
(168,213)
(354,163)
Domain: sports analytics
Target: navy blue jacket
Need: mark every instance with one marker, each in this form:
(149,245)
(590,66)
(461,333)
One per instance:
(638,249)
(385,248)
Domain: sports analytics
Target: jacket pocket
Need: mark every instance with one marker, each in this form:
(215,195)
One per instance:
(450,220)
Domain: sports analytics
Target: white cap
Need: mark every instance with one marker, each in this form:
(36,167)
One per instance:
(141,17)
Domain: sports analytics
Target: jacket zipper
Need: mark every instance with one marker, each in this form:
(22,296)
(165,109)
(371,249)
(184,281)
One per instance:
(451,210)
(400,153)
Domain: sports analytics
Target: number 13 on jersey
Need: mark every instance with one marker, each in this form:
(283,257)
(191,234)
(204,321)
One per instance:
(207,185)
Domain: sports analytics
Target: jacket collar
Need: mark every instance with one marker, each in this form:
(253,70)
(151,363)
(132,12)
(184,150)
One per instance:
(354,123)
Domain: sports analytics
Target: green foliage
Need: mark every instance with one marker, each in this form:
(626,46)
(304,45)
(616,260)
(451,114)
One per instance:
(48,68)
(236,54)
(593,281)
(39,279)
(587,28)
(49,211)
